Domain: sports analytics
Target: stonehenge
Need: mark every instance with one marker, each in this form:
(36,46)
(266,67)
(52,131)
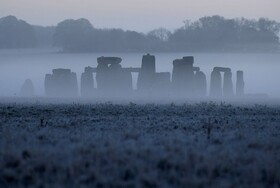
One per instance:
(110,79)
(200,84)
(188,80)
(87,82)
(183,76)
(61,83)
(221,87)
(147,74)
(110,76)
(162,83)
(151,82)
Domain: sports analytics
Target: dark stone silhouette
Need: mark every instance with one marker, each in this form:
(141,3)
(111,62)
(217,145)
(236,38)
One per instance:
(216,88)
(162,84)
(240,84)
(228,85)
(27,89)
(112,79)
(110,76)
(62,83)
(115,81)
(216,84)
(87,83)
(200,84)
(146,78)
(183,76)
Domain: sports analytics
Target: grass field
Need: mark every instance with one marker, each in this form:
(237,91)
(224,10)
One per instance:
(203,144)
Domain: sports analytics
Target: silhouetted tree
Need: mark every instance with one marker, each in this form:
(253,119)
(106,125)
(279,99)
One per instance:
(108,40)
(74,35)
(16,33)
(157,39)
(161,34)
(218,33)
(209,33)
(135,41)
(44,35)
(114,40)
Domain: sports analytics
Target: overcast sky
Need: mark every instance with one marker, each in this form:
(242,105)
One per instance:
(139,15)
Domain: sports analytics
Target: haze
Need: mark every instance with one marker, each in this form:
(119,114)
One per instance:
(136,15)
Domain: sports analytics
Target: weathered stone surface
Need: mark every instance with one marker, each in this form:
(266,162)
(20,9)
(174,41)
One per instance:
(87,83)
(162,84)
(62,83)
(146,76)
(109,60)
(200,84)
(112,79)
(216,84)
(183,76)
(228,84)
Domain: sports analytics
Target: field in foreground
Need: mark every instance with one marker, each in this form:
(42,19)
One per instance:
(110,145)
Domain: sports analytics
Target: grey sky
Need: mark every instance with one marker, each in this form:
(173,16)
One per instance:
(140,15)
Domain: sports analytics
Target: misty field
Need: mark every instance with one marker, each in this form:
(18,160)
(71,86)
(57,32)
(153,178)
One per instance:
(139,145)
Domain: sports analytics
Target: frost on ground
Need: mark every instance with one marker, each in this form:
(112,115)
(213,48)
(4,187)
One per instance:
(137,145)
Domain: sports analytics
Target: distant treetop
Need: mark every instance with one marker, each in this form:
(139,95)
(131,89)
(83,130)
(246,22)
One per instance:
(209,33)
(16,33)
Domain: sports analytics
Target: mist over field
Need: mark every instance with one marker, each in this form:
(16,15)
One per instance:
(261,70)
(31,52)
(139,93)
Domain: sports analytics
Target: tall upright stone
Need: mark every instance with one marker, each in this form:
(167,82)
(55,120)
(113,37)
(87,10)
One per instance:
(162,84)
(87,83)
(125,81)
(61,83)
(112,79)
(27,89)
(49,85)
(146,76)
(216,84)
(200,84)
(102,74)
(240,84)
(183,76)
(228,84)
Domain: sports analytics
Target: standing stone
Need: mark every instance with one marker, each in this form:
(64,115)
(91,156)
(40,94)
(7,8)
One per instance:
(126,81)
(49,85)
(61,83)
(115,79)
(183,76)
(200,84)
(107,73)
(146,76)
(162,84)
(27,89)
(102,76)
(216,84)
(228,84)
(240,84)
(112,79)
(87,83)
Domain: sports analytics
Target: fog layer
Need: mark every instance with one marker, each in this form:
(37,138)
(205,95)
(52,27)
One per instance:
(261,71)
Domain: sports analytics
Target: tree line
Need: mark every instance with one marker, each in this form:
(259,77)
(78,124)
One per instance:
(210,33)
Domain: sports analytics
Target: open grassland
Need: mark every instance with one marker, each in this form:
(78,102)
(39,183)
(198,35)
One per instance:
(139,145)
